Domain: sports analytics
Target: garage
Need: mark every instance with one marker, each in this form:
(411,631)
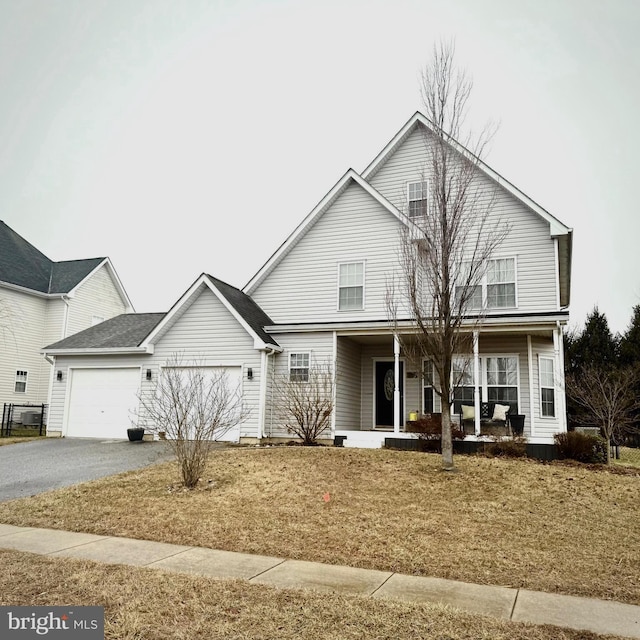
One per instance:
(102,402)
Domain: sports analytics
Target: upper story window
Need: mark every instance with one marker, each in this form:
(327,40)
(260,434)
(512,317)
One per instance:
(21,382)
(351,286)
(417,193)
(497,289)
(299,367)
(547,388)
(501,283)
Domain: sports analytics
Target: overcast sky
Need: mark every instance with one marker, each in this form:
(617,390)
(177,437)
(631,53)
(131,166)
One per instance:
(178,137)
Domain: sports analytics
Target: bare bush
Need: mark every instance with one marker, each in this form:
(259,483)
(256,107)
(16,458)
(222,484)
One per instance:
(305,403)
(193,406)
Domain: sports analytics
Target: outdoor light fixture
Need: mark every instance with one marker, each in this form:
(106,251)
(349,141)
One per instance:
(249,373)
(59,376)
(148,374)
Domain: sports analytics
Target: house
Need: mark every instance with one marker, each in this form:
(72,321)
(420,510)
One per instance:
(42,301)
(321,298)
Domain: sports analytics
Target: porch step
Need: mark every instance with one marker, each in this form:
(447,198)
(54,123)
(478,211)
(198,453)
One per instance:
(365,439)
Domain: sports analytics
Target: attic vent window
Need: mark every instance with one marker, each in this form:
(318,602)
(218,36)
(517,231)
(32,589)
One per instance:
(418,193)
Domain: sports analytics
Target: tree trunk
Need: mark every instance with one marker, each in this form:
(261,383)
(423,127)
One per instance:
(447,444)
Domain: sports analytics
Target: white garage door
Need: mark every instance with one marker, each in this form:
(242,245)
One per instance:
(102,402)
(234,385)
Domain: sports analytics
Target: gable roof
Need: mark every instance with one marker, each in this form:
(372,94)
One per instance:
(419,119)
(559,231)
(248,314)
(350,177)
(24,266)
(123,332)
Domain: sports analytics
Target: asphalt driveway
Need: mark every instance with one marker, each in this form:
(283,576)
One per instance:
(28,468)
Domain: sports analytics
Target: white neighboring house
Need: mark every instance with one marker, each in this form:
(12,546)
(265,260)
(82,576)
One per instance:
(42,301)
(321,298)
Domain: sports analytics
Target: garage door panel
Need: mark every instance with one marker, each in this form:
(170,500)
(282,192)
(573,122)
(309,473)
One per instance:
(102,402)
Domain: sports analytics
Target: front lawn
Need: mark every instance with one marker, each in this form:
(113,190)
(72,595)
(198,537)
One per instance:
(514,523)
(145,604)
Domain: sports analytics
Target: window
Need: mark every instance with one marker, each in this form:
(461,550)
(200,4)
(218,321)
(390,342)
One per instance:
(21,382)
(418,193)
(497,289)
(299,367)
(502,379)
(427,386)
(498,380)
(547,387)
(463,381)
(501,283)
(351,286)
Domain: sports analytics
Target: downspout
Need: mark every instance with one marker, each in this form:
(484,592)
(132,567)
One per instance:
(65,319)
(264,370)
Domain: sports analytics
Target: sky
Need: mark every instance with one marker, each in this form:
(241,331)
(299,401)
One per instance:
(181,137)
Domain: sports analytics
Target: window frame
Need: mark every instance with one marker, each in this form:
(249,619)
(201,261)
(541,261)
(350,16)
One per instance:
(484,285)
(428,363)
(341,286)
(299,368)
(19,381)
(483,383)
(546,387)
(424,190)
(485,376)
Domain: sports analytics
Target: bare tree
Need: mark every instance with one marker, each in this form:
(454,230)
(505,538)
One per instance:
(447,243)
(304,401)
(193,406)
(606,398)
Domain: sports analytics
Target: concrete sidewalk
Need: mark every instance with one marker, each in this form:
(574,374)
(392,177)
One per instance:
(599,616)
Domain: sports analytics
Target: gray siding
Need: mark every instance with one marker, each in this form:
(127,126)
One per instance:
(349,387)
(208,333)
(303,287)
(528,240)
(22,335)
(318,345)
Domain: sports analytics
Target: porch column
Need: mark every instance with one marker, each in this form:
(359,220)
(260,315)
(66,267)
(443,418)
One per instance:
(558,377)
(476,381)
(532,392)
(396,384)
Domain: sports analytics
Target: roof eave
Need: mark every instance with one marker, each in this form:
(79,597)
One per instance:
(98,351)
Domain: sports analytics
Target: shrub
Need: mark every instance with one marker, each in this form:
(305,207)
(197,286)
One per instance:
(428,428)
(582,447)
(512,448)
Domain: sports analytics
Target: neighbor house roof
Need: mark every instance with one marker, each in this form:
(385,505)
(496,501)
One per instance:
(125,331)
(24,266)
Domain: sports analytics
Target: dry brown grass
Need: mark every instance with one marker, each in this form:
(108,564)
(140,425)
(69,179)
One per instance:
(16,439)
(514,523)
(143,604)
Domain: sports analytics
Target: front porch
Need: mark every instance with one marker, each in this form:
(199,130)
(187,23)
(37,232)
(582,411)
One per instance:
(380,385)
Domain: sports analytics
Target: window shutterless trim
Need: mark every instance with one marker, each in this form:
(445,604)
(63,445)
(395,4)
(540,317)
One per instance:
(21,377)
(300,368)
(362,285)
(542,387)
